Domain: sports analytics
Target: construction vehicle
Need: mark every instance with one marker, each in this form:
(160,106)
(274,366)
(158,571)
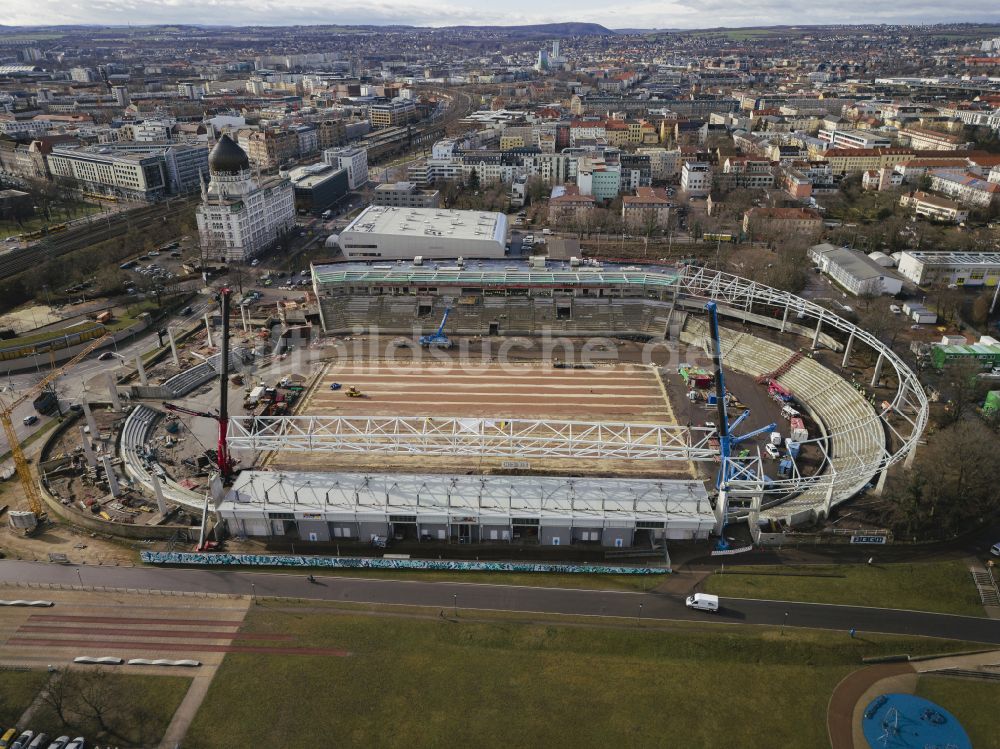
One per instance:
(353,392)
(731,467)
(31,494)
(223,459)
(438,338)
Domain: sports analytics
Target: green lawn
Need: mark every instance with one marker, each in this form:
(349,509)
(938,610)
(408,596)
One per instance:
(944,587)
(536,579)
(17,690)
(501,681)
(60,215)
(973,702)
(139,708)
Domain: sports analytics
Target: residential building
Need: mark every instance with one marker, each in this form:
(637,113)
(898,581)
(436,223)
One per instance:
(664,164)
(969,189)
(597,177)
(782,222)
(405,195)
(648,209)
(934,207)
(882,179)
(696,178)
(854,271)
(270,148)
(944,268)
(569,207)
(354,160)
(239,218)
(748,172)
(934,139)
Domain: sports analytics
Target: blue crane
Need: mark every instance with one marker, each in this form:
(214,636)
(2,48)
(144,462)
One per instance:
(438,338)
(727,440)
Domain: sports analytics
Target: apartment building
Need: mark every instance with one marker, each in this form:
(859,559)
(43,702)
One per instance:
(782,222)
(133,176)
(648,209)
(934,140)
(569,207)
(270,148)
(968,188)
(934,207)
(696,178)
(748,172)
(405,195)
(664,164)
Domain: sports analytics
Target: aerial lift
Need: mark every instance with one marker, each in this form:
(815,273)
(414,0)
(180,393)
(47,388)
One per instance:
(31,494)
(223,459)
(729,467)
(438,338)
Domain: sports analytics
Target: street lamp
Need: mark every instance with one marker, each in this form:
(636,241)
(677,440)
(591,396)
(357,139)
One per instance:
(454,602)
(79,576)
(784,621)
(253,592)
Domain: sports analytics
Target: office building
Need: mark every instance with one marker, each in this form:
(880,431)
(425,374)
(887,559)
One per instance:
(945,268)
(354,160)
(239,218)
(405,195)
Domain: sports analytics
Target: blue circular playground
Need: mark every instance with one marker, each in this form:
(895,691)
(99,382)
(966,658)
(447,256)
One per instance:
(904,721)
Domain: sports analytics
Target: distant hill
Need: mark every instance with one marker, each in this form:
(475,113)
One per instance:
(545,29)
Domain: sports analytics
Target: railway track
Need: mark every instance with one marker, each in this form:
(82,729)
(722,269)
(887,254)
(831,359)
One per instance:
(19,260)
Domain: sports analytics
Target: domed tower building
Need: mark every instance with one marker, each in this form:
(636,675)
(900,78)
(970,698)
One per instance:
(238,218)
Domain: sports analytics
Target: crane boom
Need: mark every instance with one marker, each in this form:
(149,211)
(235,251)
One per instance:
(31,493)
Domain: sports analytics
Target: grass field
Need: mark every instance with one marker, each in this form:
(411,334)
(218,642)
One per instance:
(60,214)
(974,703)
(944,587)
(501,681)
(17,690)
(537,580)
(139,708)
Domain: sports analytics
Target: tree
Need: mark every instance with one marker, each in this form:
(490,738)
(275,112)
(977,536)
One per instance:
(950,485)
(473,180)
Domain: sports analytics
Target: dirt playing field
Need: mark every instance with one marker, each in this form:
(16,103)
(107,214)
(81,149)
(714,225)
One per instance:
(608,393)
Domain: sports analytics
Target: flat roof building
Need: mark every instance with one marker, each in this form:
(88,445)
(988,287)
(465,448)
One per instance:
(549,510)
(855,271)
(318,186)
(405,195)
(384,232)
(959,268)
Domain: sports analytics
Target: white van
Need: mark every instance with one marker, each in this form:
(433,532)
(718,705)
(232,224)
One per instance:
(703,602)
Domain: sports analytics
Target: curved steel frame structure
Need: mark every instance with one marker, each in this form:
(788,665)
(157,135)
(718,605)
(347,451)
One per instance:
(903,418)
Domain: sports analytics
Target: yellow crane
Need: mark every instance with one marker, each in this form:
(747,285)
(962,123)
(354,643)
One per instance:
(21,465)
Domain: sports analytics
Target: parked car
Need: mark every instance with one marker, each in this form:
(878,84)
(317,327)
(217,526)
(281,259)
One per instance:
(39,742)
(77,743)
(254,263)
(8,738)
(23,740)
(30,420)
(772,451)
(105,356)
(59,743)
(995,549)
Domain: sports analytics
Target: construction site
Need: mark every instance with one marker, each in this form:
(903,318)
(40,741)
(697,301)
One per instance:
(518,407)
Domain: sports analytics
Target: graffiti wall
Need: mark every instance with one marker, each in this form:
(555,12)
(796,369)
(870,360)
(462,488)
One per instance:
(378,563)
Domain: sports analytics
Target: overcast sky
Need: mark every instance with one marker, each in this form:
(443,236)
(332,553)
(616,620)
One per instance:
(641,14)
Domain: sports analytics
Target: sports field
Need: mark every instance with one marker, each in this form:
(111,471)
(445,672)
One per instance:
(606,393)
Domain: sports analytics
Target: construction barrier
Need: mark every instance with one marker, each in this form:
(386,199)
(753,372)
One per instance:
(379,563)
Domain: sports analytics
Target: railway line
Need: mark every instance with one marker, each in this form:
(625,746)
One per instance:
(21,259)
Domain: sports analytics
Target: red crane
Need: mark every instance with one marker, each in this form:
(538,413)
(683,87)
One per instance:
(223,459)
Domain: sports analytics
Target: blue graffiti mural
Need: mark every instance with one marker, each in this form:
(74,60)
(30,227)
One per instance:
(378,563)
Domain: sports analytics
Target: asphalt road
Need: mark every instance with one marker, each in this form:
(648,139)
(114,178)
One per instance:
(655,606)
